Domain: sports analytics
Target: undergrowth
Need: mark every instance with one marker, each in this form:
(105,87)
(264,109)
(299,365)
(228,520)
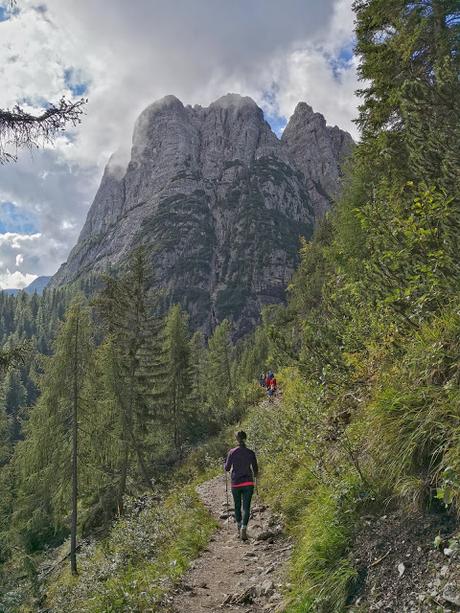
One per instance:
(146,552)
(396,444)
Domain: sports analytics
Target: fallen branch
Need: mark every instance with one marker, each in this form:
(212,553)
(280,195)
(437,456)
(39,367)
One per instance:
(380,559)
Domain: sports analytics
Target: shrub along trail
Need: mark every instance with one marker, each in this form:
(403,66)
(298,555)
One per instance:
(230,574)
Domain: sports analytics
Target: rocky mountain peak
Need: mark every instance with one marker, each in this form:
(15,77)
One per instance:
(218,201)
(234,101)
(318,150)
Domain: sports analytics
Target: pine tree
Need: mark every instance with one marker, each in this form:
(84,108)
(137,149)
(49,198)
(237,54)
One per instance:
(100,446)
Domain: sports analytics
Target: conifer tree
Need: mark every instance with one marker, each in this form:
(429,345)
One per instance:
(198,368)
(178,371)
(47,460)
(219,379)
(127,311)
(15,399)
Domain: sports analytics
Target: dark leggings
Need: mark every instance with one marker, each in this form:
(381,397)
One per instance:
(242,495)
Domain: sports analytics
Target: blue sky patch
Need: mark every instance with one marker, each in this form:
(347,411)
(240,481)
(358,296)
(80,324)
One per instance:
(277,123)
(12,219)
(74,82)
(4,14)
(342,60)
(38,102)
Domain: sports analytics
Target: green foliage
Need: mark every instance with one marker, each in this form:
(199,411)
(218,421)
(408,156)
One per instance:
(137,368)
(401,41)
(413,419)
(178,373)
(42,461)
(321,572)
(219,386)
(413,242)
(369,410)
(146,552)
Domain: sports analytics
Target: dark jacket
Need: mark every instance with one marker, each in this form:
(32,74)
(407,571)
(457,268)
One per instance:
(243,463)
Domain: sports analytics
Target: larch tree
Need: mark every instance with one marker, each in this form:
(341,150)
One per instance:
(47,460)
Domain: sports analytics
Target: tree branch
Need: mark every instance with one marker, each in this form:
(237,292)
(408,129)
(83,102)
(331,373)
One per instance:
(19,129)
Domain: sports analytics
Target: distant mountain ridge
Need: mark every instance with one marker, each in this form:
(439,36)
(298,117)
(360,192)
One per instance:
(36,287)
(218,201)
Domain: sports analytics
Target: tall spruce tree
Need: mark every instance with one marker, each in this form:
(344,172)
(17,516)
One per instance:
(218,369)
(128,313)
(403,198)
(15,399)
(178,371)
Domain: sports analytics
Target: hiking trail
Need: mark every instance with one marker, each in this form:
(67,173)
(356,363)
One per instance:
(232,575)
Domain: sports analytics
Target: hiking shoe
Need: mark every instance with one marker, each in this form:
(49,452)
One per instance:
(244,533)
(239,530)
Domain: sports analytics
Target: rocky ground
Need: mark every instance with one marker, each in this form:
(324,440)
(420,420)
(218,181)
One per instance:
(407,564)
(232,575)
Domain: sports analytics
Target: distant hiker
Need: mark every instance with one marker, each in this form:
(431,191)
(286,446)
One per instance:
(268,379)
(243,464)
(262,379)
(270,384)
(272,388)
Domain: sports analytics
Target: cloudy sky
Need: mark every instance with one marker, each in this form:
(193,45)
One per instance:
(122,56)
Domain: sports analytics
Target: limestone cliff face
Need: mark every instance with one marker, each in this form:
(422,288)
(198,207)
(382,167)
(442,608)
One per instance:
(318,151)
(217,199)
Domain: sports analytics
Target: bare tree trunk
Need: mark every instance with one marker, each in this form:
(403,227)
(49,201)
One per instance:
(124,473)
(141,462)
(73,527)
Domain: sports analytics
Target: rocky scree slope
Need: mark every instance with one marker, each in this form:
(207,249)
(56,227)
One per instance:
(218,201)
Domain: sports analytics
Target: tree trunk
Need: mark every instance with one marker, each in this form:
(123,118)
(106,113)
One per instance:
(140,460)
(73,527)
(123,475)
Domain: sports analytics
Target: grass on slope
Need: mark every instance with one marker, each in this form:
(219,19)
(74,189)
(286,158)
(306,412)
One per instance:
(147,551)
(324,468)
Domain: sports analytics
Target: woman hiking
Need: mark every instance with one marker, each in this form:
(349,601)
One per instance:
(243,464)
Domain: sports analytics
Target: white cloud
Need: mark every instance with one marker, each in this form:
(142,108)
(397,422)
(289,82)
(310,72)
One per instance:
(16,280)
(130,54)
(11,260)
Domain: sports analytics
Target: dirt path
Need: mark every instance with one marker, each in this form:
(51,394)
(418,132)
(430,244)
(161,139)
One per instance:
(232,575)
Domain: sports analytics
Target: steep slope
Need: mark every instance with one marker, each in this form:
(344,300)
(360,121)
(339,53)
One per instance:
(215,198)
(318,151)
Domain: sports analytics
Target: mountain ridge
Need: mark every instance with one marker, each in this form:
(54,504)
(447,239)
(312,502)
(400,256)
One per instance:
(36,286)
(217,200)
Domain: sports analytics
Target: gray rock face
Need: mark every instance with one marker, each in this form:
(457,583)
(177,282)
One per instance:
(218,201)
(318,151)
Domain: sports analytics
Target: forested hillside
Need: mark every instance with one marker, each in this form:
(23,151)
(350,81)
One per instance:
(370,420)
(110,408)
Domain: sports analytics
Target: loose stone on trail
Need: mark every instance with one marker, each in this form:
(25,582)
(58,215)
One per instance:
(233,574)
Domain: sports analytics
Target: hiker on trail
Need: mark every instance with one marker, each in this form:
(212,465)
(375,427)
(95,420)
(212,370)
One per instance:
(272,389)
(262,379)
(243,464)
(271,385)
